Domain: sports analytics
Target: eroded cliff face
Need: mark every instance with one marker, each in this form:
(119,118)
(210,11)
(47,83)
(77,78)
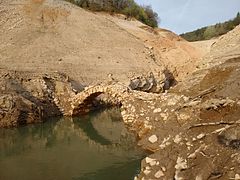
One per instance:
(32,97)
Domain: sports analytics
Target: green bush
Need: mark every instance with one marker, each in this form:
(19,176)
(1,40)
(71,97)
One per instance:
(130,8)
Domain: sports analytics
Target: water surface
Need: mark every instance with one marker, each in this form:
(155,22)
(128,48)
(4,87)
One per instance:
(93,147)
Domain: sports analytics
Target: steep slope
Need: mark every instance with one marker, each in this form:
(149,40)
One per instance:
(222,49)
(53,35)
(167,48)
(227,46)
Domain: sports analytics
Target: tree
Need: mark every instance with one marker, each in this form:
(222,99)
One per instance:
(152,17)
(212,31)
(236,20)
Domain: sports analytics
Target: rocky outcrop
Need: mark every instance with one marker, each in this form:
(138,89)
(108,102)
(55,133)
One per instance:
(16,110)
(30,98)
(153,82)
(148,83)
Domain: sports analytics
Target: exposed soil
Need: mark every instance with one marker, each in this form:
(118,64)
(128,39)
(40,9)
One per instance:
(166,48)
(53,35)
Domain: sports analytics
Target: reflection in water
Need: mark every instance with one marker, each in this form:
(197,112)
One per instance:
(93,147)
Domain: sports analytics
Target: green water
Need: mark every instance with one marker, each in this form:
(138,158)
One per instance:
(93,147)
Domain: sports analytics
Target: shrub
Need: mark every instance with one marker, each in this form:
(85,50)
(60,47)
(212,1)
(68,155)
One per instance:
(145,14)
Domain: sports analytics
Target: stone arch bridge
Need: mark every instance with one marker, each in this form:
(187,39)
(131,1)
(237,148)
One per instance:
(83,100)
(129,100)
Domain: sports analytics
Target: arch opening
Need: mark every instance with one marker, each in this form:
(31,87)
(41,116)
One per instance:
(95,101)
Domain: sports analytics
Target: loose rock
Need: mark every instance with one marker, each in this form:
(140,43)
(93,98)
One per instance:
(153,139)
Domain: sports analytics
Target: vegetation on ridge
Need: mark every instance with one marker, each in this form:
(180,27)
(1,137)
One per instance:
(130,8)
(209,32)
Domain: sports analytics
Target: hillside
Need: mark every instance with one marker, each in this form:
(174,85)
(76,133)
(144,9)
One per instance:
(166,48)
(213,31)
(53,35)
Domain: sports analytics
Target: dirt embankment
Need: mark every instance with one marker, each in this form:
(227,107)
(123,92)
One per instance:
(165,48)
(52,35)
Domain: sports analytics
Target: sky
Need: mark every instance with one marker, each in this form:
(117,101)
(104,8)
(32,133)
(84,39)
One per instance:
(182,16)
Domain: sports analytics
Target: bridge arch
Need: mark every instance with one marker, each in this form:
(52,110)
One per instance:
(117,93)
(82,102)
